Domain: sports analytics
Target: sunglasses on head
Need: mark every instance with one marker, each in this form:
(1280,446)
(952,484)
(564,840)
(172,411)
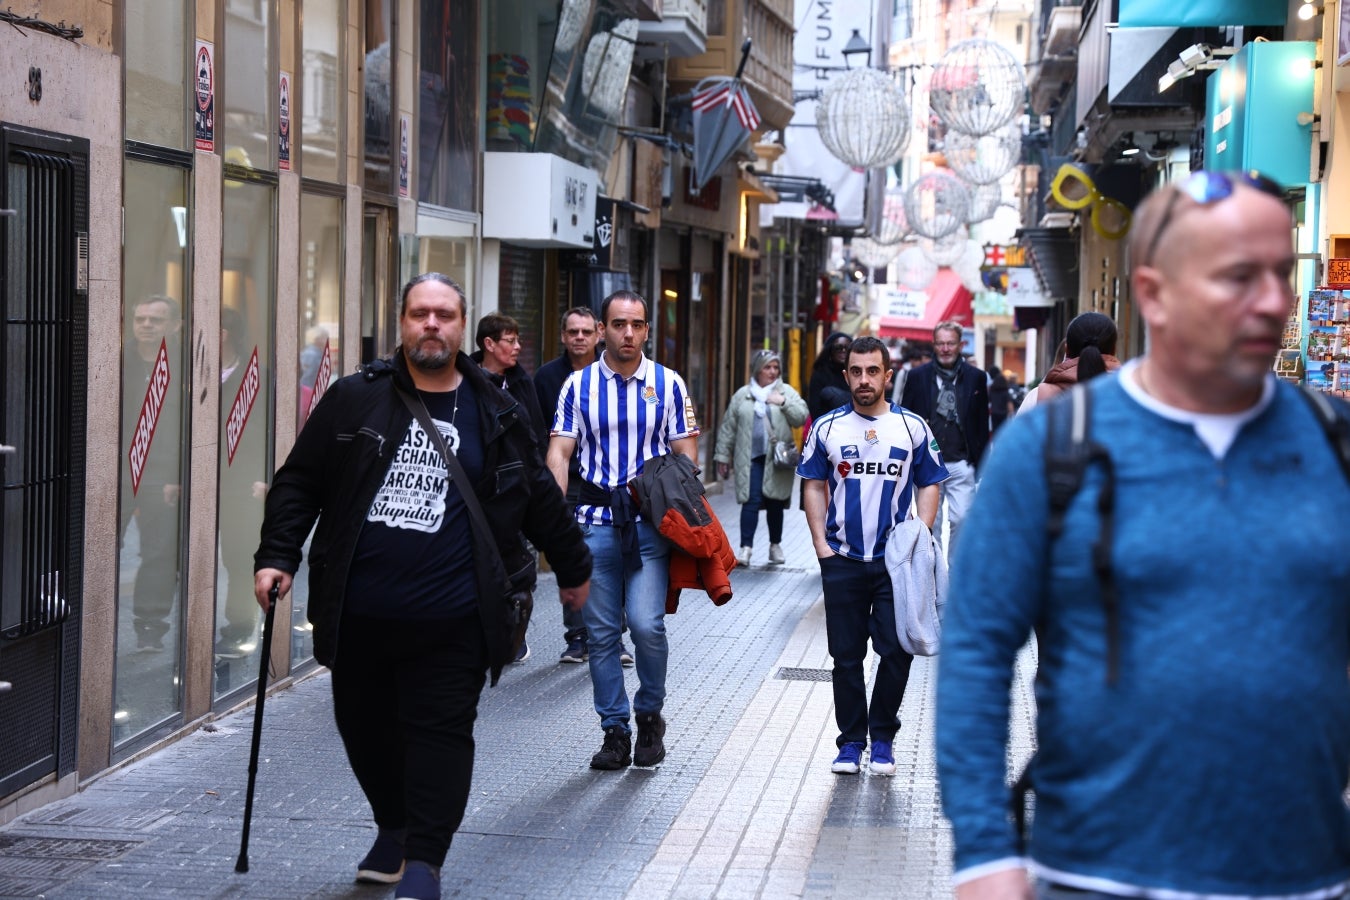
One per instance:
(1209,187)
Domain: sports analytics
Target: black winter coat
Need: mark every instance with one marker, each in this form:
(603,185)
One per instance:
(972,398)
(339,462)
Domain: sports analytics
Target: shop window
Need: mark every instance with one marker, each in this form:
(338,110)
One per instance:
(321,245)
(447,127)
(379,96)
(557,76)
(248,309)
(322,94)
(157,84)
(155,376)
(249,85)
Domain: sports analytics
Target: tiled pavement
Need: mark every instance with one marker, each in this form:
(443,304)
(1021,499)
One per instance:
(744,806)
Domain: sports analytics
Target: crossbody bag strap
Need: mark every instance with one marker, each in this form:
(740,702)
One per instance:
(452,466)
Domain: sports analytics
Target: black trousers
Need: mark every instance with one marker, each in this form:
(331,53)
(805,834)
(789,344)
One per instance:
(405,696)
(860,604)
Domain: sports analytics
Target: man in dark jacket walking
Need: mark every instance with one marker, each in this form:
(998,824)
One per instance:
(952,396)
(409,622)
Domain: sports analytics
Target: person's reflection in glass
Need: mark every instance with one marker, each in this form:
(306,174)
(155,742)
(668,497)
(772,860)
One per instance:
(241,493)
(311,357)
(156,321)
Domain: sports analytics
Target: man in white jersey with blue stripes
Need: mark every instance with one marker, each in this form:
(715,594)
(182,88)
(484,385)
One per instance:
(863,465)
(617,413)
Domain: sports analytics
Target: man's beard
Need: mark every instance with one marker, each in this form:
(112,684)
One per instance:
(430,361)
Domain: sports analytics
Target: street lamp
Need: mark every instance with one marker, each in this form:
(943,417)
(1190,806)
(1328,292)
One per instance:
(857,46)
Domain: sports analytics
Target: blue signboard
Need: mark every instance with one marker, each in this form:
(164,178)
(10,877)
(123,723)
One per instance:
(1252,111)
(1197,13)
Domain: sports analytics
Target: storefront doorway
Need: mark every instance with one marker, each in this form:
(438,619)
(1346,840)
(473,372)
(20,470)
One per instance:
(43,335)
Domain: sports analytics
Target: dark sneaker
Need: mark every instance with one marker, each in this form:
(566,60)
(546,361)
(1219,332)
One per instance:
(384,863)
(576,651)
(849,760)
(883,758)
(616,752)
(420,882)
(651,749)
(523,653)
(625,658)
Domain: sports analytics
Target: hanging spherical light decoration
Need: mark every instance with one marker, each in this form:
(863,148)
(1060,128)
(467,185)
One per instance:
(872,254)
(967,268)
(913,269)
(984,158)
(945,251)
(977,86)
(894,226)
(863,118)
(985,200)
(937,204)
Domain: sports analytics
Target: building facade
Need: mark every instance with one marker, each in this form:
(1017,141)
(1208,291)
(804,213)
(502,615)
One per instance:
(209,209)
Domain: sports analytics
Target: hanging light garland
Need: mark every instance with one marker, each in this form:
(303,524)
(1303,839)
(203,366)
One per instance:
(894,226)
(913,269)
(985,200)
(937,204)
(863,118)
(977,87)
(984,158)
(945,251)
(872,254)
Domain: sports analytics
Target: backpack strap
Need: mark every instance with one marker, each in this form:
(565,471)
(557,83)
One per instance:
(1067,454)
(1334,417)
(1069,450)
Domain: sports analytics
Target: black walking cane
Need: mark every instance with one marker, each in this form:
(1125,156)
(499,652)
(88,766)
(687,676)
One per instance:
(241,864)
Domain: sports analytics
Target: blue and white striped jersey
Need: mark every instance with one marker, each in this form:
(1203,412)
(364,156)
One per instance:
(871,466)
(620,423)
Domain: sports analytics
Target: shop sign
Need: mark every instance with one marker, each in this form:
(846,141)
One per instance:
(148,420)
(1338,272)
(322,376)
(243,405)
(605,235)
(284,123)
(204,97)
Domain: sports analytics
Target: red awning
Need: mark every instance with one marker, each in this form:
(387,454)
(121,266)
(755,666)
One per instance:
(947,299)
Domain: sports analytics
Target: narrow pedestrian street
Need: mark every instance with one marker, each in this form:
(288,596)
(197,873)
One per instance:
(745,804)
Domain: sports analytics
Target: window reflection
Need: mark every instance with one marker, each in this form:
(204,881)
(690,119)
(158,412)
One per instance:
(447,158)
(379,103)
(156,79)
(247,311)
(154,385)
(320,332)
(248,126)
(321,74)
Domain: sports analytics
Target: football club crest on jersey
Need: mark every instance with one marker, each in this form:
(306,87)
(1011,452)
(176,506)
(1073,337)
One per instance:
(649,394)
(849,451)
(870,435)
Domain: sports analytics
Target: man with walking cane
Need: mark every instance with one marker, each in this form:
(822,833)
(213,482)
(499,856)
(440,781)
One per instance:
(408,591)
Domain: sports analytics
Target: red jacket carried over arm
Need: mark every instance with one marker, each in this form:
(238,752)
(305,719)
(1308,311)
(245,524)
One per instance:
(670,496)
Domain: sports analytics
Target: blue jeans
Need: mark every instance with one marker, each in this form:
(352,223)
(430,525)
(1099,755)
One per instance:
(642,596)
(859,603)
(773,509)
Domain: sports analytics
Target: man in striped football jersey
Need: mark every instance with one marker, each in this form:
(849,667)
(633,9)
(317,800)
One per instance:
(617,413)
(864,464)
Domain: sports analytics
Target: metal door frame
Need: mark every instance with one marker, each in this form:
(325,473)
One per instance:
(47,239)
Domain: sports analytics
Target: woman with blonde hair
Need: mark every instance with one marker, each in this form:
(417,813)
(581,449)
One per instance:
(760,415)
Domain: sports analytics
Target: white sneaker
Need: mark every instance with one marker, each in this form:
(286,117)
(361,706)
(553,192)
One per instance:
(744,557)
(776,557)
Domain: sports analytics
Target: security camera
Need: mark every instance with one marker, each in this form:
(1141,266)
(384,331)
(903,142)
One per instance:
(1196,55)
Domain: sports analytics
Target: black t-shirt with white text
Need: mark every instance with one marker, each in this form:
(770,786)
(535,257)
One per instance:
(414,558)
